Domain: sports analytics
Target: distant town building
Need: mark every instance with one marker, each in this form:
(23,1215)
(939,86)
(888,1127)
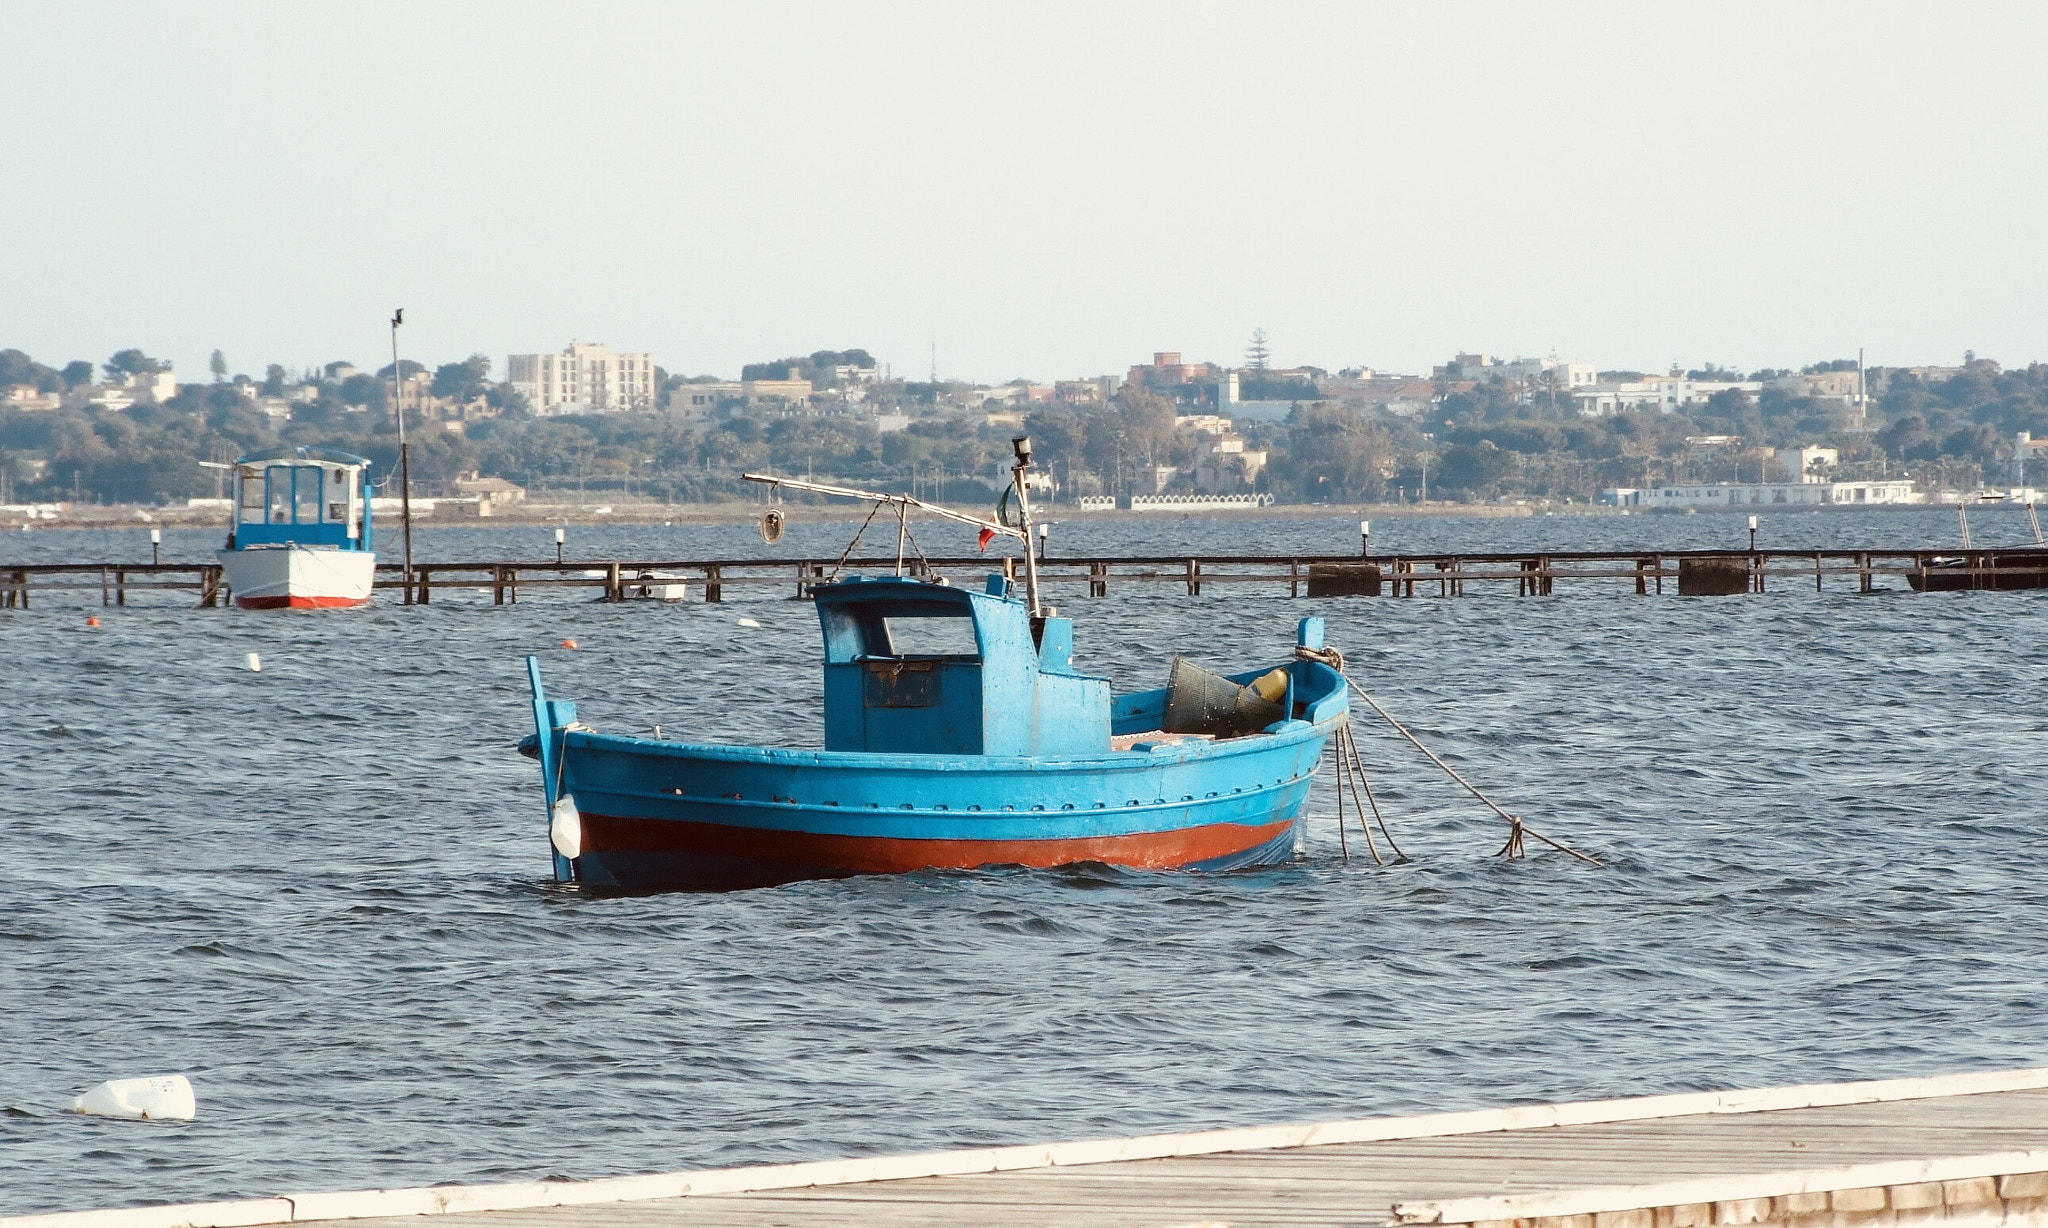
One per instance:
(489,493)
(776,391)
(1754,496)
(1664,393)
(1531,372)
(1226,467)
(1087,391)
(585,377)
(134,390)
(1168,376)
(1807,464)
(698,400)
(1846,388)
(26,396)
(2026,448)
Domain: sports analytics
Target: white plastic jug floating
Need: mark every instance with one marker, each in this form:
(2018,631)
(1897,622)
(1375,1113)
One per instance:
(565,828)
(157,1098)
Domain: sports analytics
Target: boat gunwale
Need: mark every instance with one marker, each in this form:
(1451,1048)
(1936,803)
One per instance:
(1278,736)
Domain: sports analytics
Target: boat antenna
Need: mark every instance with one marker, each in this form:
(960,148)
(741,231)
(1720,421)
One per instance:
(1022,446)
(404,454)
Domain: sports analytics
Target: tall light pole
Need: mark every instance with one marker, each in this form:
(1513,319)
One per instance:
(404,453)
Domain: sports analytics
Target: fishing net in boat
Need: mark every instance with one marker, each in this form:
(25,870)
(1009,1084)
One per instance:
(1198,701)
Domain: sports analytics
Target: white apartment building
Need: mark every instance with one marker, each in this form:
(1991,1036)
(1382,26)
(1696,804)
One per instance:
(585,377)
(1535,372)
(1664,393)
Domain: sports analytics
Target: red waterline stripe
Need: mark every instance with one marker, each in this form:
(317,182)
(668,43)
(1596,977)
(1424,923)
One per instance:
(300,603)
(1163,850)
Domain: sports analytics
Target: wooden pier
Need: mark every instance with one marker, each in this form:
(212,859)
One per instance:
(1524,573)
(1954,1150)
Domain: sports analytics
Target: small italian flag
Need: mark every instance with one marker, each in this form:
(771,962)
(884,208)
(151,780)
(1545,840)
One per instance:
(1002,517)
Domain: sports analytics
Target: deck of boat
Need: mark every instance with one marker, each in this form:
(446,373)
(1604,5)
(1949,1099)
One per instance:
(1954,1148)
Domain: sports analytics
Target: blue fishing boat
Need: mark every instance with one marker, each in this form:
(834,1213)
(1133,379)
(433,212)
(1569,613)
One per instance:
(958,734)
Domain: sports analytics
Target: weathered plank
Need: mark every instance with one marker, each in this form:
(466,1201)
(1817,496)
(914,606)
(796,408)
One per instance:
(1948,1140)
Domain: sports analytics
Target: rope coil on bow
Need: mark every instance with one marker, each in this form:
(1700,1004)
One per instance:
(1517,829)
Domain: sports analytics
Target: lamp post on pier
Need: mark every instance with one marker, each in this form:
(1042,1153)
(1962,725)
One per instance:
(404,453)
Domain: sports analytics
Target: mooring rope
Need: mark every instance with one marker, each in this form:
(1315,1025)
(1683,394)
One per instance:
(1516,827)
(1343,769)
(1364,784)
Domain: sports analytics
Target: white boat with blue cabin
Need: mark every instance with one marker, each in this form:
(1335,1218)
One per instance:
(301,537)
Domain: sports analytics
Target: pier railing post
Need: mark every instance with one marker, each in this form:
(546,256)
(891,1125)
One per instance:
(614,589)
(713,589)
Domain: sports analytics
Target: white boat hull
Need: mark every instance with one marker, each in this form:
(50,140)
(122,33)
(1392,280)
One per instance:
(298,577)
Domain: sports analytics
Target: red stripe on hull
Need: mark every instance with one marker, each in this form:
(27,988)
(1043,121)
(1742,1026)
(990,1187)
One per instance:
(300,603)
(811,853)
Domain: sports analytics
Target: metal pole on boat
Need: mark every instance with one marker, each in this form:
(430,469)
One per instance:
(404,453)
(902,531)
(1022,446)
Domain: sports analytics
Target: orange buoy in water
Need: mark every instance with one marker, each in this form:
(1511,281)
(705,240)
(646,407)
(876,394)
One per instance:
(92,622)
(569,644)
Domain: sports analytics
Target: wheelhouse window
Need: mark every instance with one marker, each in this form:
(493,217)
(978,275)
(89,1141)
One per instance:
(949,635)
(306,495)
(278,478)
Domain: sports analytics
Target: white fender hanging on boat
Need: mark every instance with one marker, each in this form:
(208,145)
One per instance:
(565,828)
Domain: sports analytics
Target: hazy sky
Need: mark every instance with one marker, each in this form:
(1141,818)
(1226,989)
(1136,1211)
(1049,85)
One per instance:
(1038,189)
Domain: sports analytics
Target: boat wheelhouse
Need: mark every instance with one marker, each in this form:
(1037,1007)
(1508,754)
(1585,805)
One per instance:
(302,536)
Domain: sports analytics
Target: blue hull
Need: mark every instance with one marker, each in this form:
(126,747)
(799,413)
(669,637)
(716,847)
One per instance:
(992,752)
(659,813)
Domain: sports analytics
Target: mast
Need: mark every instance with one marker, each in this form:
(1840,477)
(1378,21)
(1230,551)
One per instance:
(1022,446)
(404,454)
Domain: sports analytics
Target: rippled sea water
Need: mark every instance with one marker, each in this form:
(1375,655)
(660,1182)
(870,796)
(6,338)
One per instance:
(320,890)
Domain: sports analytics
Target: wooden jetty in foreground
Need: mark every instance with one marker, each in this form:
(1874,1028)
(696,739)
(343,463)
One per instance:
(1525,573)
(1957,1150)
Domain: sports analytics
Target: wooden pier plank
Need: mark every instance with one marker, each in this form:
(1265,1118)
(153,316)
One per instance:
(1354,1183)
